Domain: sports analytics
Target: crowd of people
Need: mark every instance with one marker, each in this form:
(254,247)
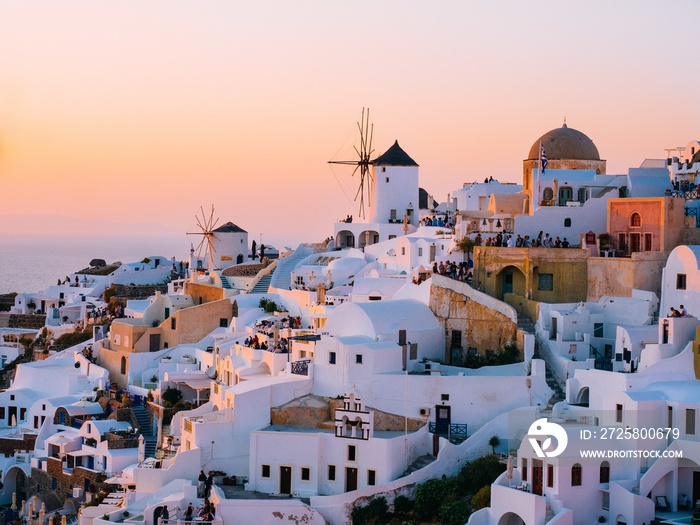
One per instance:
(460,271)
(507,241)
(436,221)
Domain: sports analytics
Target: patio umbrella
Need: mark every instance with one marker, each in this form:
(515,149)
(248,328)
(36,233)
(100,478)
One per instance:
(14,501)
(509,467)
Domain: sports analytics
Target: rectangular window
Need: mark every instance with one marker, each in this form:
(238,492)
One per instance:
(358,359)
(618,413)
(265,473)
(680,281)
(598,330)
(331,358)
(545,282)
(223,322)
(420,252)
(173,323)
(392,237)
(331,472)
(392,215)
(444,397)
(36,421)
(524,473)
(403,250)
(371,477)
(305,473)
(456,338)
(351,452)
(690,421)
(550,475)
(647,242)
(23,414)
(387,179)
(2,412)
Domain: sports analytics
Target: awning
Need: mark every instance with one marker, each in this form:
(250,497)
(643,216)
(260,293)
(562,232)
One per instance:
(81,453)
(195,384)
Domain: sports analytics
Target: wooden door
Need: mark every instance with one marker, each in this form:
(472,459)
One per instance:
(350,479)
(285,480)
(537,471)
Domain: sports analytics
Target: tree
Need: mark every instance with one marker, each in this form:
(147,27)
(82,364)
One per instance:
(494,442)
(466,245)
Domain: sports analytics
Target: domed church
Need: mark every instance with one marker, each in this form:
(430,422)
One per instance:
(566,149)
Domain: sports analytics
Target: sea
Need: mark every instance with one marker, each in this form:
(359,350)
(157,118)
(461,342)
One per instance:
(32,263)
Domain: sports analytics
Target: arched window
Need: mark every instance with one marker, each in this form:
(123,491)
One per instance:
(567,223)
(576,475)
(605,472)
(123,365)
(547,194)
(635,220)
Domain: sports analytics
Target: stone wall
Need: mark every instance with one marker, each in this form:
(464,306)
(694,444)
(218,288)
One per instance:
(319,412)
(244,270)
(139,292)
(41,482)
(30,321)
(483,327)
(9,446)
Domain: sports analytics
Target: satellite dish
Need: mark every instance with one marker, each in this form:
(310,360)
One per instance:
(211,372)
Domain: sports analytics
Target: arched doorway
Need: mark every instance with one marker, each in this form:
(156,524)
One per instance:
(582,398)
(510,518)
(367,237)
(345,239)
(510,280)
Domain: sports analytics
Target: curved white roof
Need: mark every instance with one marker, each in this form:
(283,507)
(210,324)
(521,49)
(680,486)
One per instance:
(679,252)
(376,318)
(347,263)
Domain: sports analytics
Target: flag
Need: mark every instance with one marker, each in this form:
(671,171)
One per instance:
(543,158)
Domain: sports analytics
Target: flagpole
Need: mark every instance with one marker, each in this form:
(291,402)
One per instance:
(536,203)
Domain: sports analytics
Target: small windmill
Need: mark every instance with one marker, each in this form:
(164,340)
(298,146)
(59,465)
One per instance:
(363,162)
(206,226)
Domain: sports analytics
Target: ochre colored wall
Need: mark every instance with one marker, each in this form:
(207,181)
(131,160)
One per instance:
(204,293)
(617,276)
(567,267)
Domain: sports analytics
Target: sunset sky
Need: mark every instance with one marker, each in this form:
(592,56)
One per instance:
(141,112)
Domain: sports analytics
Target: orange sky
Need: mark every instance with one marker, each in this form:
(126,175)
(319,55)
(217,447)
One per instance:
(133,112)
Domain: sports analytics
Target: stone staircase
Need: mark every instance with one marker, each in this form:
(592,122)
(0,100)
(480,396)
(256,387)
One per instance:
(225,283)
(422,461)
(526,324)
(549,514)
(263,284)
(146,430)
(283,272)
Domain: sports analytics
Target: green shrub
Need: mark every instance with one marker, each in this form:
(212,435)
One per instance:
(403,504)
(482,498)
(454,513)
(109,293)
(171,396)
(73,338)
(478,473)
(376,510)
(430,496)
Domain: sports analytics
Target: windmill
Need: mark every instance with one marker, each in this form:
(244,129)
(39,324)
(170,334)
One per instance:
(206,225)
(362,163)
